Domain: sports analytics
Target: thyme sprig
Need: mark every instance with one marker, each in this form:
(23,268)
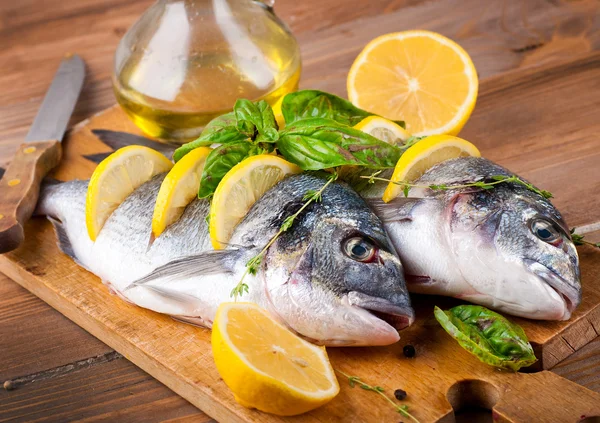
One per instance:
(311,196)
(496,180)
(579,239)
(356,381)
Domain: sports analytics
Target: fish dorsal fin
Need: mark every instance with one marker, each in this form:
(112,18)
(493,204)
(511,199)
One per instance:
(119,139)
(97,158)
(396,210)
(205,263)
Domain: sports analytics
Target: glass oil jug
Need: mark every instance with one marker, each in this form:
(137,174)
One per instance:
(185,62)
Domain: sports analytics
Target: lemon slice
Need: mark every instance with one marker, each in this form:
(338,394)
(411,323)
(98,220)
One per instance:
(245,183)
(424,155)
(383,129)
(178,189)
(115,178)
(268,367)
(421,77)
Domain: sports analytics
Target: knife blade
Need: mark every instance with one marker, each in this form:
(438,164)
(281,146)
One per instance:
(40,153)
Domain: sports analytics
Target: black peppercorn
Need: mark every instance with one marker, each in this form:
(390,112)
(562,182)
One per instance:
(409,351)
(400,394)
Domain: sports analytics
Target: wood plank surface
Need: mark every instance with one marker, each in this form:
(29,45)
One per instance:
(179,355)
(34,35)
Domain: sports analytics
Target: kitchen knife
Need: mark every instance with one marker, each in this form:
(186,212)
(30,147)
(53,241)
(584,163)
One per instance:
(41,152)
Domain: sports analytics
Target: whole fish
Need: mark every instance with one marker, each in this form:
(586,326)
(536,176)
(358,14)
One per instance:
(507,248)
(332,277)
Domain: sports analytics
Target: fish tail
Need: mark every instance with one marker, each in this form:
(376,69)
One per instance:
(44,205)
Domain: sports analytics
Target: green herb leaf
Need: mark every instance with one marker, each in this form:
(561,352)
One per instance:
(313,103)
(224,135)
(487,335)
(221,160)
(319,143)
(256,117)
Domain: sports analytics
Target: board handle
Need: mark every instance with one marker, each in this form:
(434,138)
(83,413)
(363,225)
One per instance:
(545,397)
(20,188)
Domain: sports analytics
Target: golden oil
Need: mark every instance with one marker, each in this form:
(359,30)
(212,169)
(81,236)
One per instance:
(186,62)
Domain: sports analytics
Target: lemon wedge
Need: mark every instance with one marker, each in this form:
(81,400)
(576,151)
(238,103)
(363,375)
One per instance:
(115,178)
(268,367)
(424,155)
(178,189)
(421,77)
(383,129)
(245,183)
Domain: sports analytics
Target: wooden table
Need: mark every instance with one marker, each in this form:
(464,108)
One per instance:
(69,375)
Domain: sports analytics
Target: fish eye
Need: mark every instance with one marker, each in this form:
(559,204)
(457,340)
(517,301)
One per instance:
(359,249)
(545,231)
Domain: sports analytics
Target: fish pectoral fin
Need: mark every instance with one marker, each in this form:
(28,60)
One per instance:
(398,209)
(171,294)
(206,263)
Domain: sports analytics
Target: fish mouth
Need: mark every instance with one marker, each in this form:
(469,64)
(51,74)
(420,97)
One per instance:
(398,316)
(570,296)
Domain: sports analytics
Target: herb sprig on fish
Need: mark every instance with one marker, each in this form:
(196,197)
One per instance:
(496,180)
(579,239)
(310,196)
(356,381)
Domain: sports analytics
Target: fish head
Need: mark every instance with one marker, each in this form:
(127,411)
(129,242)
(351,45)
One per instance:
(516,251)
(334,277)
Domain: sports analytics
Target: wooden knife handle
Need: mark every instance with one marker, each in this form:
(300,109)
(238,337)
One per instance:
(20,187)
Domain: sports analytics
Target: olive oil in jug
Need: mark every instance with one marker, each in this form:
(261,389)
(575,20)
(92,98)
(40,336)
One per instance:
(185,62)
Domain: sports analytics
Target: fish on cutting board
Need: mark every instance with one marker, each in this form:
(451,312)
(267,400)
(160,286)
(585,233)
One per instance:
(332,278)
(507,248)
(452,248)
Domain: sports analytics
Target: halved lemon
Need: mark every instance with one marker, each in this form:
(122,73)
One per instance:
(115,178)
(424,155)
(245,183)
(421,77)
(268,367)
(178,189)
(383,129)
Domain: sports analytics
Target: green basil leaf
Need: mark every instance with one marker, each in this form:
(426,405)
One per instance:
(487,335)
(247,116)
(221,160)
(320,143)
(313,103)
(220,122)
(256,117)
(222,135)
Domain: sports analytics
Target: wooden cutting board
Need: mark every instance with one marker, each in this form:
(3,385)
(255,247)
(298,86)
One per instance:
(536,123)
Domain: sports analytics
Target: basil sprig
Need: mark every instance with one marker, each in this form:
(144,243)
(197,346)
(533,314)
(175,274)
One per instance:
(488,335)
(318,143)
(314,103)
(221,130)
(319,135)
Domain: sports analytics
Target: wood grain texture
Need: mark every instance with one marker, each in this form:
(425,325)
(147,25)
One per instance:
(502,36)
(20,187)
(179,355)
